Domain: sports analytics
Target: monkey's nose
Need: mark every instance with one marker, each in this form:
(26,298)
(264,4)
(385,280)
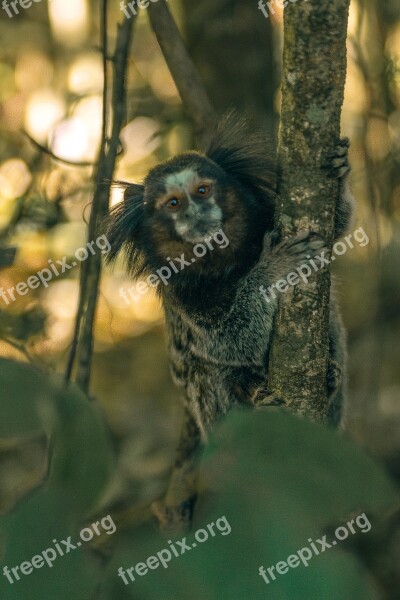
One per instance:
(185,201)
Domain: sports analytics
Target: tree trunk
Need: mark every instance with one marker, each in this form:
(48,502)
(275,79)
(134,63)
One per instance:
(314,68)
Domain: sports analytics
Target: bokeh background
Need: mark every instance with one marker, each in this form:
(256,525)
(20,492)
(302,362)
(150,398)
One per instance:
(50,91)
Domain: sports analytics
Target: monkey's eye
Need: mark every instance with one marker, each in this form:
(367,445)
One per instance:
(172,203)
(203,190)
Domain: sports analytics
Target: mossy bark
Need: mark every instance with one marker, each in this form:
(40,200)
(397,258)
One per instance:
(314,69)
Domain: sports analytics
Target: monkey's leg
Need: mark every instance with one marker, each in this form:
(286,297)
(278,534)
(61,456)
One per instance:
(336,378)
(174,512)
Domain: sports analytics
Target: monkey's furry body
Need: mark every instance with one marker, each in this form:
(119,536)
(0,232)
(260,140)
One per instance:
(219,325)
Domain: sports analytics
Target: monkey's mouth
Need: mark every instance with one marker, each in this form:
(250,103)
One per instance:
(197,233)
(198,222)
(200,234)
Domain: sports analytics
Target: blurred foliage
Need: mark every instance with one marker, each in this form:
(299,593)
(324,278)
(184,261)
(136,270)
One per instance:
(50,87)
(80,466)
(276,491)
(303,480)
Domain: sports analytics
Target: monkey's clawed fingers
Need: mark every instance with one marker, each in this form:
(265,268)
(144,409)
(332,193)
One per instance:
(302,243)
(270,240)
(293,251)
(338,161)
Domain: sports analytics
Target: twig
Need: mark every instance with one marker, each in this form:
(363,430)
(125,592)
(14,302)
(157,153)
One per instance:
(187,79)
(82,345)
(104,42)
(20,349)
(84,272)
(47,150)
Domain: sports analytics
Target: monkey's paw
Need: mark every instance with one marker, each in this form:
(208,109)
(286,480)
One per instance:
(270,401)
(289,254)
(338,165)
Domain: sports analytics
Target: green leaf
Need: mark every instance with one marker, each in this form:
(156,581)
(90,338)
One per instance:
(29,531)
(25,400)
(82,456)
(278,481)
(80,467)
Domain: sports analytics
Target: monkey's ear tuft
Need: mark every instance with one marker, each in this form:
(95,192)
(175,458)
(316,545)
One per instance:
(243,153)
(124,227)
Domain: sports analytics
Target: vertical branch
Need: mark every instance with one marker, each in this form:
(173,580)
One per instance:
(82,346)
(102,152)
(183,70)
(314,68)
(104,45)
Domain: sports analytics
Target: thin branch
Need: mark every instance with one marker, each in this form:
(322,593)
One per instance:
(84,273)
(82,345)
(104,41)
(47,151)
(187,79)
(20,349)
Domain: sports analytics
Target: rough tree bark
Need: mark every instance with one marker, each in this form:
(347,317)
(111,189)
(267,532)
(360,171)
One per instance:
(314,68)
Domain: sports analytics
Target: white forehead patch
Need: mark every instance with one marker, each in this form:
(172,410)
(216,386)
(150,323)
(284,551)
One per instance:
(184,179)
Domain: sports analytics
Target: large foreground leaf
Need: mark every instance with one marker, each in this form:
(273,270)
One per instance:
(278,481)
(80,462)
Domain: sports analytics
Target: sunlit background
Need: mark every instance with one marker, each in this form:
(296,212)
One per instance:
(51,88)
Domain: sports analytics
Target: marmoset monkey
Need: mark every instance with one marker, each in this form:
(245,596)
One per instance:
(219,324)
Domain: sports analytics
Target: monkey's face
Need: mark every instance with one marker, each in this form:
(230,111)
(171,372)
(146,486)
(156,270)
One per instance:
(187,200)
(188,204)
(183,198)
(184,202)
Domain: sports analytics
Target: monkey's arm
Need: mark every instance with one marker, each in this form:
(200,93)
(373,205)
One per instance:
(250,318)
(239,335)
